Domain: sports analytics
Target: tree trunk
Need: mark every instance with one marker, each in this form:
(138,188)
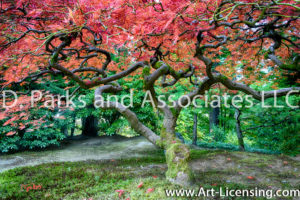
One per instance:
(177,155)
(224,119)
(74,125)
(214,117)
(195,130)
(214,120)
(238,129)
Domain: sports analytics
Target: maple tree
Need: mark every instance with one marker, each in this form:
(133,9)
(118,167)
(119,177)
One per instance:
(171,40)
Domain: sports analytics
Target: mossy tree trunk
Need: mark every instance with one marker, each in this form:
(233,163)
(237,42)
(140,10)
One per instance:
(177,154)
(177,158)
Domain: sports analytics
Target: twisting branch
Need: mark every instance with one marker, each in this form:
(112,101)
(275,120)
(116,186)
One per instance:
(66,41)
(138,126)
(4,46)
(205,85)
(163,69)
(101,51)
(149,82)
(232,85)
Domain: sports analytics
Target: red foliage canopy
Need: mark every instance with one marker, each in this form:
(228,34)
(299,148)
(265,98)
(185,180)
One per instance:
(32,29)
(80,37)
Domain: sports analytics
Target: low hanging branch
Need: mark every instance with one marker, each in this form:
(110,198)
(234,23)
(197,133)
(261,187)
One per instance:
(126,112)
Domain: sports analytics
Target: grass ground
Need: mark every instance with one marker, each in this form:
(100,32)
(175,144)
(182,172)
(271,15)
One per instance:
(100,179)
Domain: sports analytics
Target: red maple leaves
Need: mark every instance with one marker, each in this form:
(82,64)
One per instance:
(139,27)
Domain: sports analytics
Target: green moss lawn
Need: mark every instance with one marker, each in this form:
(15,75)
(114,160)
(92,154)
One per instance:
(144,178)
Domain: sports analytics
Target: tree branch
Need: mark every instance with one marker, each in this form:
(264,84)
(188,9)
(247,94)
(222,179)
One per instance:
(131,117)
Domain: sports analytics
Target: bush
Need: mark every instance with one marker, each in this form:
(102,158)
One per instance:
(46,133)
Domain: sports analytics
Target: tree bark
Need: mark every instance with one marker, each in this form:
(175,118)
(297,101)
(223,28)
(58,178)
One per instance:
(238,129)
(214,118)
(195,130)
(177,155)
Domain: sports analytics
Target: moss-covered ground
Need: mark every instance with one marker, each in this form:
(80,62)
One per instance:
(100,179)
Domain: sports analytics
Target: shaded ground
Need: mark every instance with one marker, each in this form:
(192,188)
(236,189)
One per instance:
(131,162)
(90,149)
(260,170)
